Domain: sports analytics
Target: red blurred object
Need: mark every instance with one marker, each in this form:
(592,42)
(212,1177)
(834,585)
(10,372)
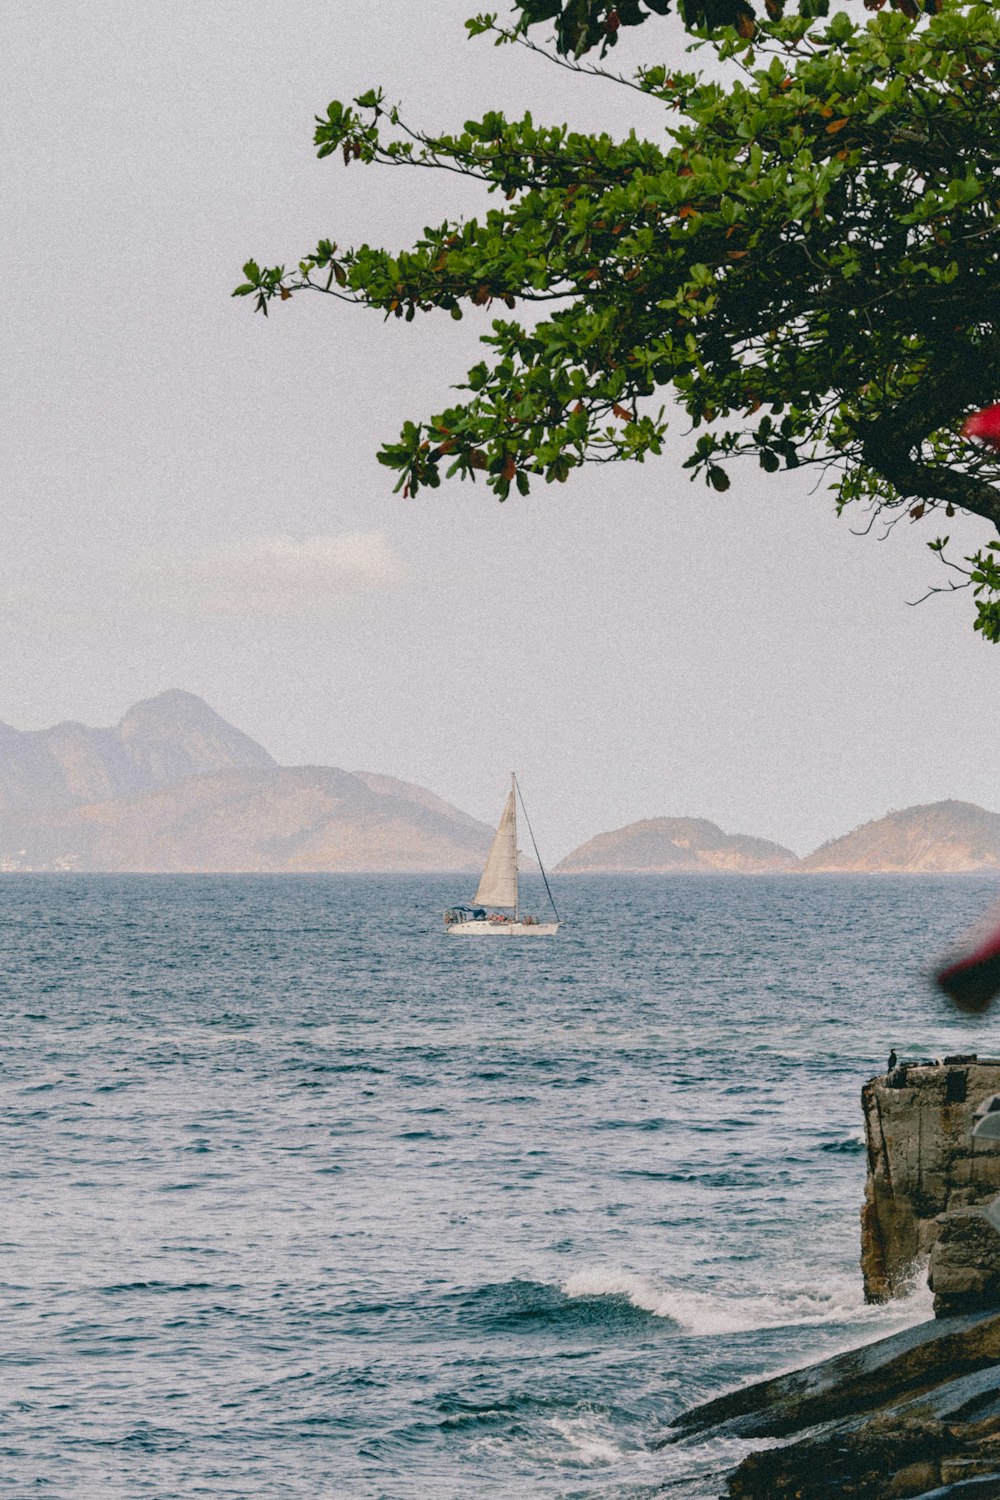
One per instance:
(984,424)
(973,980)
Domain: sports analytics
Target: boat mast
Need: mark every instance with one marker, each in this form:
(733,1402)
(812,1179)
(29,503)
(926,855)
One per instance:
(517,885)
(534,846)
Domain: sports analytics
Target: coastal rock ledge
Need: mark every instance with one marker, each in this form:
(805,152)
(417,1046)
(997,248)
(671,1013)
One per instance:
(924,1167)
(915,1416)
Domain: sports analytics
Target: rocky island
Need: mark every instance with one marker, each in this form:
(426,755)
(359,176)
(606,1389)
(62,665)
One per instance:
(937,838)
(661,846)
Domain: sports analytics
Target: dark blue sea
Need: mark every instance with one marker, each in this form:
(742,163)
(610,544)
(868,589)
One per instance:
(302,1197)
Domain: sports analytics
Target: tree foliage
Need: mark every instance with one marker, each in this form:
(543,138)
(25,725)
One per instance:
(580,25)
(809,266)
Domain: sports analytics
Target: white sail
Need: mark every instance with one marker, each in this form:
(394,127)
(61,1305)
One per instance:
(498,886)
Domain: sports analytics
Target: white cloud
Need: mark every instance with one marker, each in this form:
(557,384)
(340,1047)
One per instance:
(269,577)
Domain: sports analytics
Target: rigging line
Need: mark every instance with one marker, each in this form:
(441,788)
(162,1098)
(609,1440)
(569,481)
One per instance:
(548,888)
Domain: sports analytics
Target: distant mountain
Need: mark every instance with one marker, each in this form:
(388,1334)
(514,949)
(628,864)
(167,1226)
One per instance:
(937,838)
(173,787)
(158,743)
(389,786)
(662,846)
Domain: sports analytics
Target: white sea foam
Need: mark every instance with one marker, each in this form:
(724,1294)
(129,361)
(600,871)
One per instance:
(587,1444)
(583,1438)
(706,1313)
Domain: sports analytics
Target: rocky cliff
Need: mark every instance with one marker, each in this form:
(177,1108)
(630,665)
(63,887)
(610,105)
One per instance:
(922,1163)
(661,846)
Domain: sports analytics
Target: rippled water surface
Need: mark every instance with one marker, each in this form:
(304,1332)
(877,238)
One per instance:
(304,1198)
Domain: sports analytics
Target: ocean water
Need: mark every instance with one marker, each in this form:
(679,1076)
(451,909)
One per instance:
(303,1198)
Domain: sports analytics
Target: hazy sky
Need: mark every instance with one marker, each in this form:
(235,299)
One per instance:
(191,496)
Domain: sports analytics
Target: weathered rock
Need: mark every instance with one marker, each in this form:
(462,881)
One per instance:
(968,1398)
(970,1476)
(915,1414)
(922,1163)
(965,1263)
(936,1443)
(878,1461)
(917,1370)
(914,1479)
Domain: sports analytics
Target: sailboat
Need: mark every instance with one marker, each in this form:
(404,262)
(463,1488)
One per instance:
(498,885)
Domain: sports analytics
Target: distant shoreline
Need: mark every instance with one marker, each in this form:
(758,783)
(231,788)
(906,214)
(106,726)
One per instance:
(175,789)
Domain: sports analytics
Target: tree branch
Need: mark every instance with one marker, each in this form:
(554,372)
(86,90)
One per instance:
(890,445)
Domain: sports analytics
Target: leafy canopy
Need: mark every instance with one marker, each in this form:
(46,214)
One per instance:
(809,264)
(580,25)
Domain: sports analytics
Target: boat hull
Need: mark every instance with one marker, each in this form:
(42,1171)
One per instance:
(505,929)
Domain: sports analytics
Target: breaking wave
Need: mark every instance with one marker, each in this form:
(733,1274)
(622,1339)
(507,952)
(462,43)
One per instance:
(704,1314)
